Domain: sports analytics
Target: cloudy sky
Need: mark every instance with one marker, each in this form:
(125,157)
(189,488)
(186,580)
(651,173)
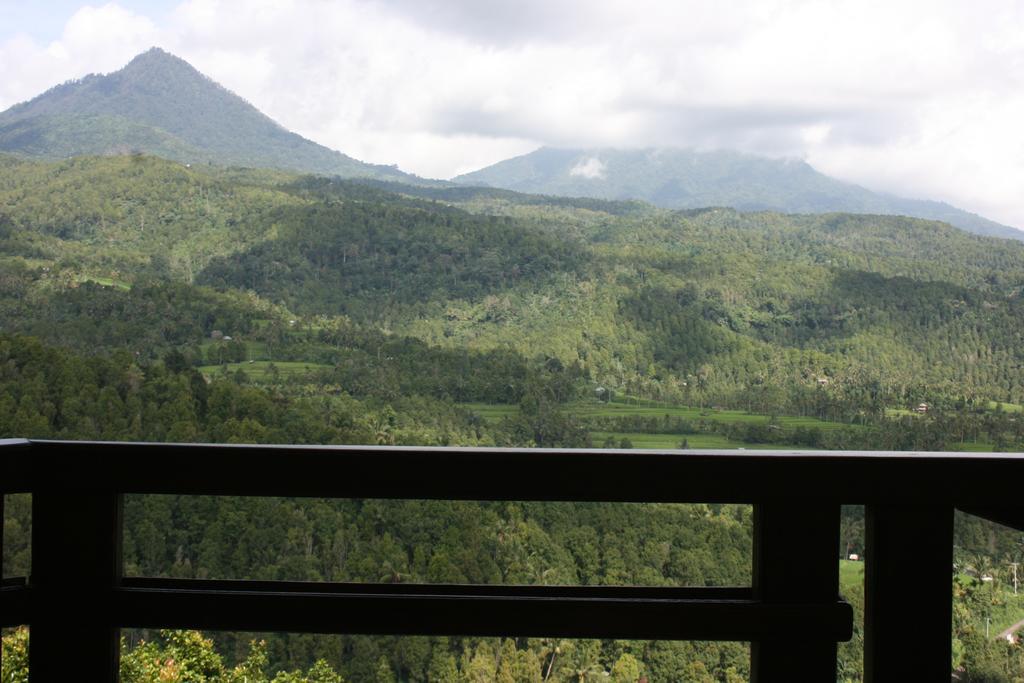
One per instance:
(923,98)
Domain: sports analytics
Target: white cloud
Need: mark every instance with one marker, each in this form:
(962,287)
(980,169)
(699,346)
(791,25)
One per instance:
(94,40)
(920,97)
(102,36)
(590,168)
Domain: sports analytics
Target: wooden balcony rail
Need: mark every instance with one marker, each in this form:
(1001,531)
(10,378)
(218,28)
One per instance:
(792,613)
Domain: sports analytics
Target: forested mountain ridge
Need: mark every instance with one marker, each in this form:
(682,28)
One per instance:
(686,179)
(640,298)
(159,104)
(141,299)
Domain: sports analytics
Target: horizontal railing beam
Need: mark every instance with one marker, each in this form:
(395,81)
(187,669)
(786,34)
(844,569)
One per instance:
(480,611)
(15,609)
(518,474)
(449,589)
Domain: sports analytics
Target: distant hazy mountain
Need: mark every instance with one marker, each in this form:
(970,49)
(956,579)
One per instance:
(683,179)
(159,104)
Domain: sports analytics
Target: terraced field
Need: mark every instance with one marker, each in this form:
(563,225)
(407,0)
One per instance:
(630,409)
(624,409)
(671,441)
(262,370)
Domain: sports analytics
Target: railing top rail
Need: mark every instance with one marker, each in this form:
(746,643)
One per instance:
(990,479)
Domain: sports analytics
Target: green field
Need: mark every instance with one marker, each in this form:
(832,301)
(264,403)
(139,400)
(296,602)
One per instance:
(492,412)
(261,370)
(255,350)
(589,409)
(672,441)
(105,281)
(1005,407)
(973,447)
(586,409)
(990,405)
(850,574)
(592,409)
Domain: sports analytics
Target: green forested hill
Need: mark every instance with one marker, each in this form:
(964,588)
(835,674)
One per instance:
(141,299)
(649,301)
(159,104)
(686,178)
(352,257)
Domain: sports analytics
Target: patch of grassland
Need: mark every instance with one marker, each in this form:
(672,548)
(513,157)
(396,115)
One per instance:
(968,447)
(255,350)
(1005,407)
(261,370)
(105,281)
(672,441)
(585,409)
(492,412)
(850,574)
(615,409)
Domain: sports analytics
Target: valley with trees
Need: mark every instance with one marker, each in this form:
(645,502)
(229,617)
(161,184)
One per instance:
(148,300)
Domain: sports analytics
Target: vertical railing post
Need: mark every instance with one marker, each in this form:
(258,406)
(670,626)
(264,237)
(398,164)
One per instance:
(908,611)
(795,561)
(76,562)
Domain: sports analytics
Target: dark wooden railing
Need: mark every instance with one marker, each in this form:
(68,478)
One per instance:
(77,598)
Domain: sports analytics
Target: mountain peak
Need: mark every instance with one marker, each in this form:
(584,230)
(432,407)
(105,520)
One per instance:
(158,58)
(153,54)
(160,104)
